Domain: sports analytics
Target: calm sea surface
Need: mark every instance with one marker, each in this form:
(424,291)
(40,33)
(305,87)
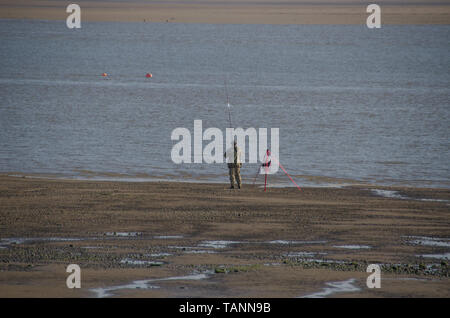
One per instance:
(351,103)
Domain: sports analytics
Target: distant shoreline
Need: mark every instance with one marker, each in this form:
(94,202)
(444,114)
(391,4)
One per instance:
(275,181)
(232,12)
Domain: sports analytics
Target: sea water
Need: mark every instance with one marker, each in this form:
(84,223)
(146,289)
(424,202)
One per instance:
(351,103)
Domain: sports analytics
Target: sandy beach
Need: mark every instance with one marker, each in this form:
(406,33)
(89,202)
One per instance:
(163,239)
(358,109)
(236,12)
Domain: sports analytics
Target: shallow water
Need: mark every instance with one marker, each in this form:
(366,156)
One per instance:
(286,242)
(353,247)
(123,234)
(396,195)
(350,102)
(199,252)
(223,244)
(217,244)
(346,286)
(429,241)
(4,242)
(145,284)
(438,256)
(159,254)
(389,194)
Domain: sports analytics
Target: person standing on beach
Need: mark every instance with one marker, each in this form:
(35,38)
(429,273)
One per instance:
(233,156)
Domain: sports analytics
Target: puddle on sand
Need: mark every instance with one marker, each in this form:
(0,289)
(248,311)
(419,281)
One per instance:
(123,234)
(353,247)
(389,194)
(217,244)
(168,237)
(145,284)
(304,254)
(433,200)
(429,241)
(23,240)
(159,254)
(224,244)
(330,261)
(200,252)
(335,287)
(8,241)
(396,195)
(272,264)
(107,292)
(129,261)
(185,249)
(285,242)
(445,256)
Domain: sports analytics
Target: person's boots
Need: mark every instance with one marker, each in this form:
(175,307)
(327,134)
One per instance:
(239,186)
(232,187)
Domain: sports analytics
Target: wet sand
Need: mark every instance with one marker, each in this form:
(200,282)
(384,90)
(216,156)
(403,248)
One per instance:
(233,11)
(163,239)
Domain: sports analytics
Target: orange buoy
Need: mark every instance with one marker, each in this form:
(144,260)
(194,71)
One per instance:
(148,75)
(104,74)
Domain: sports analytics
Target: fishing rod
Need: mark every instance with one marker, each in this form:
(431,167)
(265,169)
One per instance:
(267,163)
(228,103)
